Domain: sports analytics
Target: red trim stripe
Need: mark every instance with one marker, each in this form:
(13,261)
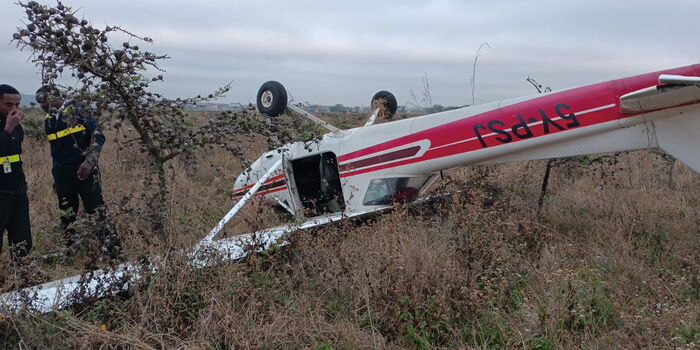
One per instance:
(274,178)
(382,158)
(262,193)
(268,186)
(271,191)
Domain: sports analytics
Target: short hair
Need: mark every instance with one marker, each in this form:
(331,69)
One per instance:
(7,89)
(48,89)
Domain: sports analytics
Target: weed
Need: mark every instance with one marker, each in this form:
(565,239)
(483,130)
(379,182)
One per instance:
(542,344)
(490,330)
(687,334)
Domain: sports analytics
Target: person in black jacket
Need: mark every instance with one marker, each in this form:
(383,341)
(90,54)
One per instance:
(76,141)
(14,204)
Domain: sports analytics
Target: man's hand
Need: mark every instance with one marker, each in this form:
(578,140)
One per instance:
(84,170)
(14,118)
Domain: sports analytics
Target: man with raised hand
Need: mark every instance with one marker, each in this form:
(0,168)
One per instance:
(14,203)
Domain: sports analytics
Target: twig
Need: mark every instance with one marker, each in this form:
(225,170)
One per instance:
(473,77)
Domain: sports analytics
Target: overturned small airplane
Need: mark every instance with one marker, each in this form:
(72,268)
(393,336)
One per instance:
(366,168)
(349,173)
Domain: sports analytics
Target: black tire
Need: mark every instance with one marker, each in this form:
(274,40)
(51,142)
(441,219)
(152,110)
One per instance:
(389,102)
(272,99)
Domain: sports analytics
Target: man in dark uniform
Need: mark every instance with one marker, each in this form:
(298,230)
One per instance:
(76,141)
(14,204)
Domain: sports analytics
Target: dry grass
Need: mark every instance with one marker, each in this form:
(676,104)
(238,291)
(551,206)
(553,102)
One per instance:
(611,261)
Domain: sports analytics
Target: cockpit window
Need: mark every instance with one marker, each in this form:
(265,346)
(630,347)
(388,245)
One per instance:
(391,190)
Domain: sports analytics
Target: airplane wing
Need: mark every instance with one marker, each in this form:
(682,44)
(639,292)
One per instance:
(63,293)
(665,116)
(678,135)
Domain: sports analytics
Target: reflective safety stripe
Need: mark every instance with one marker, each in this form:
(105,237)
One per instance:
(12,159)
(65,132)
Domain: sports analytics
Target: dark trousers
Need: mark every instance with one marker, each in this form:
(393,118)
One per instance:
(70,191)
(14,217)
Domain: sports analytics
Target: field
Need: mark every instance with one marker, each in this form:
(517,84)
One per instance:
(610,261)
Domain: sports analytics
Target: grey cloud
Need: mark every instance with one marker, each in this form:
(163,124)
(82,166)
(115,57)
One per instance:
(342,52)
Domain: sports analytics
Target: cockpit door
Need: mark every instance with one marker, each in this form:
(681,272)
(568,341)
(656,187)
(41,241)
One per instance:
(317,184)
(293,205)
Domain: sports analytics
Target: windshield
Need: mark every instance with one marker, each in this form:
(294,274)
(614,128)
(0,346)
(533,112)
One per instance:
(390,190)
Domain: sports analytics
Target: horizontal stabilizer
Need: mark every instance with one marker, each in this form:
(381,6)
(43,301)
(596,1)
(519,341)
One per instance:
(663,96)
(678,79)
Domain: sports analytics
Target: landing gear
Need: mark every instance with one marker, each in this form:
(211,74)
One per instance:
(272,99)
(387,100)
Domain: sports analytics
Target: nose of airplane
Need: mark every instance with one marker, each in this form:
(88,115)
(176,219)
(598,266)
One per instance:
(255,171)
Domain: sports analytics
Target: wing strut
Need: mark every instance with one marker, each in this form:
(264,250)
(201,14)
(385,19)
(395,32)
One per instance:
(210,237)
(313,118)
(371,119)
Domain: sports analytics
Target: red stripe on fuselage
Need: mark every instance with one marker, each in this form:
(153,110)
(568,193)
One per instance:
(271,191)
(270,180)
(382,158)
(460,136)
(261,193)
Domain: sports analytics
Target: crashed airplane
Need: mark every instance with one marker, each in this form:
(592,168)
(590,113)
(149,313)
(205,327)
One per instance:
(362,169)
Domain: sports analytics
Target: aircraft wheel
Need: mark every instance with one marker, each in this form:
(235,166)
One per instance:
(272,99)
(388,100)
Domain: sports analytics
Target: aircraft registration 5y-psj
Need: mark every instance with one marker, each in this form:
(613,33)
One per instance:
(362,169)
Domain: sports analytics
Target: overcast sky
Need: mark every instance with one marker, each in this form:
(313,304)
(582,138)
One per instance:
(343,52)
